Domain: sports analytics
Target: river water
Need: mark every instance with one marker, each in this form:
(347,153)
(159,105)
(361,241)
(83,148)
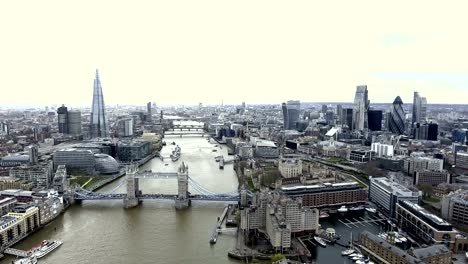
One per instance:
(103,232)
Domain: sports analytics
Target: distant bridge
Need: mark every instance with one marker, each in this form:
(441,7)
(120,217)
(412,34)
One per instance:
(183,197)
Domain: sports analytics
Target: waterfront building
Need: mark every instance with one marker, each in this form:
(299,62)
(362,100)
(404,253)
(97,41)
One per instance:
(418,163)
(290,167)
(106,164)
(76,159)
(279,232)
(374,119)
(461,159)
(386,194)
(17,224)
(439,254)
(39,175)
(434,178)
(62,114)
(396,122)
(98,125)
(50,206)
(382,250)
(382,150)
(327,194)
(132,150)
(361,106)
(20,195)
(426,227)
(244,150)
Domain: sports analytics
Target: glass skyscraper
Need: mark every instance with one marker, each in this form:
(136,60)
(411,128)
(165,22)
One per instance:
(98,127)
(396,123)
(419,109)
(361,105)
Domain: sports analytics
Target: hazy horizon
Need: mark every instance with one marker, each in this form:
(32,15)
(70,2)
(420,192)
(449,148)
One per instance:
(188,52)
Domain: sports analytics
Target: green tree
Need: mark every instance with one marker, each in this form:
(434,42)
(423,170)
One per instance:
(426,188)
(270,176)
(277,257)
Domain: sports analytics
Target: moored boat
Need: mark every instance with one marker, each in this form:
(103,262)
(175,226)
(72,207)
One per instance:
(323,215)
(371,210)
(342,209)
(347,252)
(46,247)
(320,241)
(30,260)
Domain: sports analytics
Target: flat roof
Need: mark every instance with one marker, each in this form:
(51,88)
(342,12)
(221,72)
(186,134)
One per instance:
(266,143)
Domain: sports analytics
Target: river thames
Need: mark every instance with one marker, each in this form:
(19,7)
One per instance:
(104,232)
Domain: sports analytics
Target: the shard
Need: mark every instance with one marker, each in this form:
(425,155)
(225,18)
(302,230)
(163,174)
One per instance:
(98,126)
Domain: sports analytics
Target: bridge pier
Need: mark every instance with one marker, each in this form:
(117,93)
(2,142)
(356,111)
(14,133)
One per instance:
(131,199)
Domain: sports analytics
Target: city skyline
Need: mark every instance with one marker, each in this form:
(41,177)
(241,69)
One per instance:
(232,54)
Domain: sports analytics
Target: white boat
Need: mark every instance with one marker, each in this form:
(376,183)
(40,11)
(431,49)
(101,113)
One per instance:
(466,255)
(342,209)
(356,258)
(359,261)
(320,241)
(347,252)
(30,260)
(46,247)
(371,210)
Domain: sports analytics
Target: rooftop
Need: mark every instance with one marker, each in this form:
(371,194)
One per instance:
(430,251)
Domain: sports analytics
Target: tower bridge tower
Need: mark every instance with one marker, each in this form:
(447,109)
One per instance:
(183,199)
(133,190)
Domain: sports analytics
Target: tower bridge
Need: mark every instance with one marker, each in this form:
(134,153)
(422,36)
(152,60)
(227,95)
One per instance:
(183,198)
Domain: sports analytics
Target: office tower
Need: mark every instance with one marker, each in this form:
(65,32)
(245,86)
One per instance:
(374,119)
(347,117)
(361,105)
(294,107)
(285,116)
(74,122)
(148,109)
(419,109)
(324,108)
(125,127)
(243,105)
(98,126)
(425,131)
(339,113)
(62,113)
(396,122)
(33,155)
(4,128)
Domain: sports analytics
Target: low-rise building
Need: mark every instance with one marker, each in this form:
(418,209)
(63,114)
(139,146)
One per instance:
(361,155)
(327,194)
(455,207)
(6,205)
(437,254)
(385,194)
(418,163)
(461,160)
(14,183)
(39,175)
(434,178)
(290,168)
(266,149)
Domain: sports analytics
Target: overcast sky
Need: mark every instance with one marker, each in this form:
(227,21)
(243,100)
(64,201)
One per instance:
(190,51)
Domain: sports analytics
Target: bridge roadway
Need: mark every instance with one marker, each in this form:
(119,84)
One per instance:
(121,196)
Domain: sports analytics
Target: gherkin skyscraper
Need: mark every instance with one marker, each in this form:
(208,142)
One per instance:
(98,126)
